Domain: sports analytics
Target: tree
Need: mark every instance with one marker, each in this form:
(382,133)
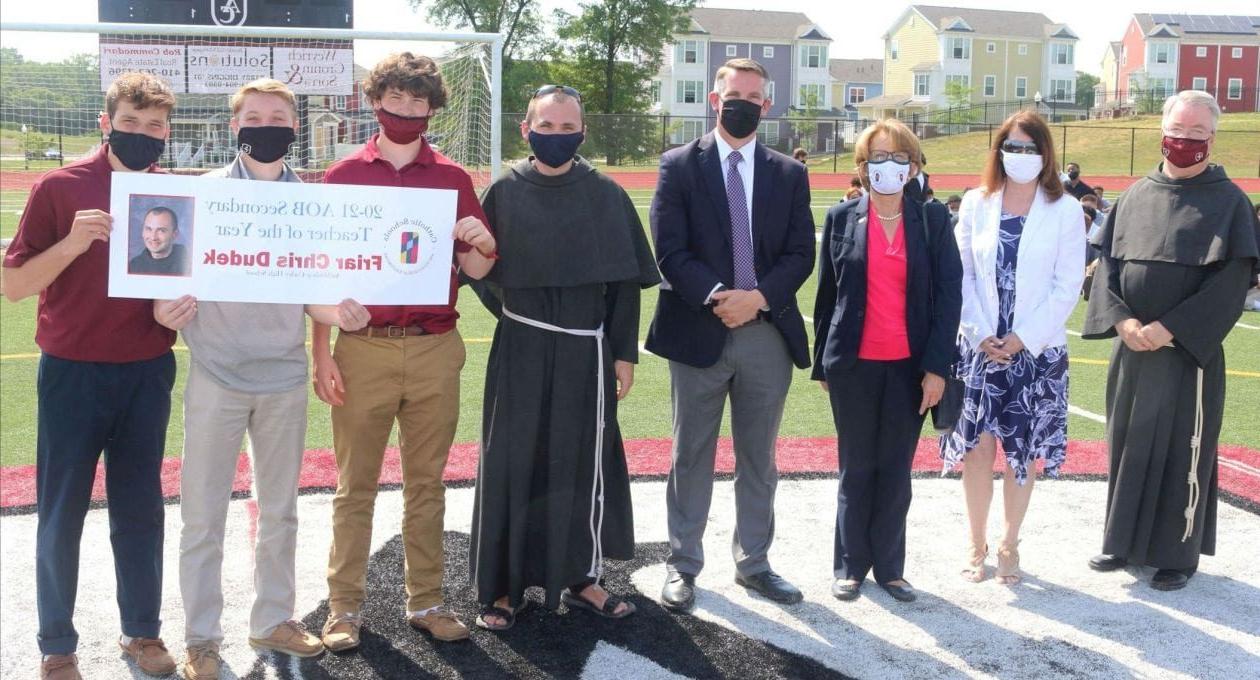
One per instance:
(1085,88)
(804,121)
(616,46)
(518,20)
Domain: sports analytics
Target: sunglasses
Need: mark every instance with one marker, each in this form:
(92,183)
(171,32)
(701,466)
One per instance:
(551,89)
(1012,146)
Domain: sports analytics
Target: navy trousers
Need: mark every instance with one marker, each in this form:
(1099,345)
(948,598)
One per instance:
(86,408)
(875,405)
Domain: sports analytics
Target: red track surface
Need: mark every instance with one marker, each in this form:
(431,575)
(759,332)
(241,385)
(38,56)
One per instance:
(11,180)
(1239,466)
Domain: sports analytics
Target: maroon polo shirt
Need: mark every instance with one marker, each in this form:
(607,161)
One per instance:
(430,170)
(77,319)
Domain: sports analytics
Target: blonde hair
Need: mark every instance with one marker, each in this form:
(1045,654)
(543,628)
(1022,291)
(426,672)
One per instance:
(902,138)
(263,86)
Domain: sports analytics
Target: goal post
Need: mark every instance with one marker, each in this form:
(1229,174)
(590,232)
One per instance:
(49,111)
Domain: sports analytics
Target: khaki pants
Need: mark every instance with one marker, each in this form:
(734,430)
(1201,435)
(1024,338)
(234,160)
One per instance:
(414,380)
(215,420)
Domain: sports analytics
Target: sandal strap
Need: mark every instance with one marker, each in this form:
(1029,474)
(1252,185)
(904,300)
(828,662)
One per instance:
(611,604)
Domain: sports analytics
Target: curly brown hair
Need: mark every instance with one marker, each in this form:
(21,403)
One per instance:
(416,75)
(141,90)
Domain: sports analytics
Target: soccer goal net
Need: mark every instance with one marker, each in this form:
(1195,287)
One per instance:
(53,79)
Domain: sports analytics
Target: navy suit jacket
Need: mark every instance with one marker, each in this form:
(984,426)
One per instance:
(691,227)
(933,287)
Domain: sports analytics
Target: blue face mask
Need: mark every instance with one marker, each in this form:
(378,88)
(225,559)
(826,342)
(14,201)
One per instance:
(555,150)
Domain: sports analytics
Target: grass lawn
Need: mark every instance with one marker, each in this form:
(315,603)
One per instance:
(646,412)
(1102,147)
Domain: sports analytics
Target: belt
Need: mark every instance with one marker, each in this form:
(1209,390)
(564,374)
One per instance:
(389,331)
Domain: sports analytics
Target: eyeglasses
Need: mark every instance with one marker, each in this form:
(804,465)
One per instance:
(551,89)
(1012,146)
(897,157)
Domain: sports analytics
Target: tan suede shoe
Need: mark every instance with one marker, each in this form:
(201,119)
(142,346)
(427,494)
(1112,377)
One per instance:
(341,632)
(150,655)
(441,624)
(203,662)
(290,638)
(60,667)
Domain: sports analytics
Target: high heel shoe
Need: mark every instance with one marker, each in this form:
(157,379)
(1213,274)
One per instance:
(1008,564)
(975,570)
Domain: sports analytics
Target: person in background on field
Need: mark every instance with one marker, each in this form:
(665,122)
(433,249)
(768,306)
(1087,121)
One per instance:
(800,155)
(1103,204)
(247,375)
(885,319)
(1179,252)
(550,437)
(929,196)
(105,377)
(855,189)
(402,368)
(1072,182)
(954,203)
(735,242)
(918,187)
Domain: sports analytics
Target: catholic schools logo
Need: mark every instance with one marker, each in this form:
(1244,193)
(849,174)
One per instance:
(229,12)
(410,243)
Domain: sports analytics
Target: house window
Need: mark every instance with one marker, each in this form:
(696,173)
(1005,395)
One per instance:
(990,86)
(857,95)
(770,90)
(893,49)
(963,81)
(1237,52)
(767,52)
(1061,54)
(1163,53)
(689,52)
(339,102)
(1161,87)
(959,48)
(768,133)
(689,130)
(922,84)
(1235,88)
(1062,90)
(656,92)
(1021,87)
(1198,84)
(1200,52)
(689,91)
(731,50)
(813,56)
(811,96)
(991,48)
(1023,50)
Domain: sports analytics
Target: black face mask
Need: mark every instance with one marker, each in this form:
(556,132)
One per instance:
(555,150)
(1073,174)
(136,151)
(265,144)
(740,117)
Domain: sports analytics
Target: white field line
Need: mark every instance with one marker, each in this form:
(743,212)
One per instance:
(1090,415)
(1247,326)
(1075,334)
(1227,462)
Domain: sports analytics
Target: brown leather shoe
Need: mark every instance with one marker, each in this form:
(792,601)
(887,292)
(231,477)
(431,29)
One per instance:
(60,667)
(150,655)
(290,638)
(203,662)
(341,632)
(441,624)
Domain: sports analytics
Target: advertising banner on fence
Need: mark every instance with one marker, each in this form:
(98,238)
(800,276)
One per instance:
(163,61)
(253,241)
(224,69)
(309,70)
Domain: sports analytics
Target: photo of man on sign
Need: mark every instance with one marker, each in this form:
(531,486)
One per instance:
(158,242)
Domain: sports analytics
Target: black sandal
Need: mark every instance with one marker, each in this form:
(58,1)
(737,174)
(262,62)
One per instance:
(608,611)
(508,616)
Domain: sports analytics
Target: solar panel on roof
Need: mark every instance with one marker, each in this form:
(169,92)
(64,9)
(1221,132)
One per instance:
(1160,18)
(1205,23)
(1255,21)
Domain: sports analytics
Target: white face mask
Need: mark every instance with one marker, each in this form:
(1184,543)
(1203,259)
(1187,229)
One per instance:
(1022,168)
(888,177)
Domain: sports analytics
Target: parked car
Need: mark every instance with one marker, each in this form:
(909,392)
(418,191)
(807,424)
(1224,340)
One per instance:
(49,154)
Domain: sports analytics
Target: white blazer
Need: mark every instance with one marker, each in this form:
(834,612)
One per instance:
(1048,272)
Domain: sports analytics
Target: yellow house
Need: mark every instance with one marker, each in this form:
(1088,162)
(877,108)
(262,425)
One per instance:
(991,61)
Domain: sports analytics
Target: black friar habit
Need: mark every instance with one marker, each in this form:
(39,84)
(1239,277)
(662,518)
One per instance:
(572,254)
(1181,252)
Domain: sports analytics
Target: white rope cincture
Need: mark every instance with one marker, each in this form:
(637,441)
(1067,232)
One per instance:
(1196,445)
(596,521)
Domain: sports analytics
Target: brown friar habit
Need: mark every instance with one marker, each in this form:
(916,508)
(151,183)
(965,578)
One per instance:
(573,255)
(1181,252)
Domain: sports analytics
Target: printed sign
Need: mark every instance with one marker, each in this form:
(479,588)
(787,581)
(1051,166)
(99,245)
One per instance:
(253,241)
(164,61)
(308,70)
(224,69)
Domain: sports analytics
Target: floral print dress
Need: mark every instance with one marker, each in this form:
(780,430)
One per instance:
(1024,403)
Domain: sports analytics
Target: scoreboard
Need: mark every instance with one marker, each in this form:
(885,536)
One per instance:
(290,13)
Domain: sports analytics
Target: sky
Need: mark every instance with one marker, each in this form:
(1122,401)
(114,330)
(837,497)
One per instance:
(856,34)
